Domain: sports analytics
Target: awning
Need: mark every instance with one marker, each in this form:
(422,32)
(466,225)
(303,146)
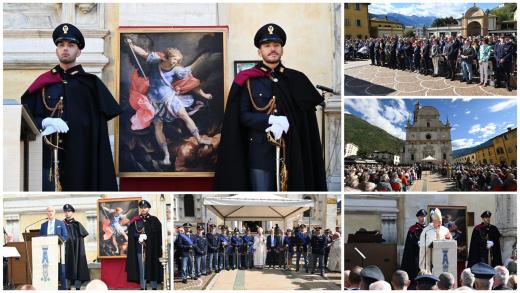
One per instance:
(429,159)
(256,206)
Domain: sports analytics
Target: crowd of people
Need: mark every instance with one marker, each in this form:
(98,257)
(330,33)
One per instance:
(480,276)
(381,177)
(489,59)
(489,177)
(204,253)
(466,177)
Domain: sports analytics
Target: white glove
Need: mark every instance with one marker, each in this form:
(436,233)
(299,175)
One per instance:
(52,125)
(142,238)
(489,244)
(276,129)
(280,120)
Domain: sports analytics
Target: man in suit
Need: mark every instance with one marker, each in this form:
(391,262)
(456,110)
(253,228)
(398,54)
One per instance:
(272,245)
(54,226)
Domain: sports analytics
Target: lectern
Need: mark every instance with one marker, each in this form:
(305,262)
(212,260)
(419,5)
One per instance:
(444,257)
(47,253)
(22,149)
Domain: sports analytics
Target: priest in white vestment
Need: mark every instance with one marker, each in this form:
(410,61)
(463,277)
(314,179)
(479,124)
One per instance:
(434,231)
(334,263)
(260,249)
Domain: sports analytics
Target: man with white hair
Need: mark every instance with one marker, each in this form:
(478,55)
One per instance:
(380,285)
(501,278)
(467,278)
(54,226)
(434,231)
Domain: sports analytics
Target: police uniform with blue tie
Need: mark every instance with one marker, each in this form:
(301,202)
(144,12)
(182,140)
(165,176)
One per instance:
(318,245)
(213,246)
(201,251)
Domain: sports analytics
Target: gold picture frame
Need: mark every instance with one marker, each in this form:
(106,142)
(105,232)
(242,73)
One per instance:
(204,51)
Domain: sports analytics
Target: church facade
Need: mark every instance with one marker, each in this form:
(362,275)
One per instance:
(427,136)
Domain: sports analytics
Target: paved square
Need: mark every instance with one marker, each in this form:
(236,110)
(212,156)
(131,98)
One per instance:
(363,79)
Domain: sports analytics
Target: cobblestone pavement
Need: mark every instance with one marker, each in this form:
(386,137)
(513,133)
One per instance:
(363,79)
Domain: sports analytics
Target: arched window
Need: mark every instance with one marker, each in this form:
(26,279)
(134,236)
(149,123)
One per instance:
(189,206)
(427,124)
(307,213)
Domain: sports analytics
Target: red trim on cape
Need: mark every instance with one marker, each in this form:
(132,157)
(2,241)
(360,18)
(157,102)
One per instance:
(45,79)
(244,75)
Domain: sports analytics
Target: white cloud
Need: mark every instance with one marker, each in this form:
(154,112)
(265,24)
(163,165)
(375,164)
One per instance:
(436,9)
(509,125)
(475,118)
(464,99)
(456,125)
(468,112)
(485,131)
(347,112)
(380,115)
(503,105)
(462,143)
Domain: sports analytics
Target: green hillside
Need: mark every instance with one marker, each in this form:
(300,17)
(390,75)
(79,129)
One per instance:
(370,138)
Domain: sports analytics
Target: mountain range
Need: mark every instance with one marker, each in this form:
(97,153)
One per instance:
(406,20)
(370,138)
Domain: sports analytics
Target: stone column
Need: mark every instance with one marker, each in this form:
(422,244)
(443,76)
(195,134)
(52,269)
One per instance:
(505,220)
(389,227)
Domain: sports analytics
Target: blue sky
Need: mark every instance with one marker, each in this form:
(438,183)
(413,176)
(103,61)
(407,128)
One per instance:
(444,9)
(473,121)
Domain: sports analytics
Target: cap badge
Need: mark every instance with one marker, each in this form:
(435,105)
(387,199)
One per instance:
(65,29)
(270,29)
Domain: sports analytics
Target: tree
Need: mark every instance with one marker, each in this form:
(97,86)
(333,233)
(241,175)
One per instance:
(446,21)
(408,33)
(505,12)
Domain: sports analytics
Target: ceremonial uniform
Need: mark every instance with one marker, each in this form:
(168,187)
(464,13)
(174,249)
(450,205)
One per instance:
(410,261)
(483,236)
(76,266)
(144,249)
(301,241)
(201,250)
(224,245)
(247,244)
(318,245)
(262,98)
(213,247)
(288,243)
(236,244)
(84,105)
(184,246)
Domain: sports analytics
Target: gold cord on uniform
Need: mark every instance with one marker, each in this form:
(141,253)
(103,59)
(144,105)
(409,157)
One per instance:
(269,109)
(57,111)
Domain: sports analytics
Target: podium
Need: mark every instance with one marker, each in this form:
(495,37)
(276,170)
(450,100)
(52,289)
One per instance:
(47,253)
(22,149)
(444,257)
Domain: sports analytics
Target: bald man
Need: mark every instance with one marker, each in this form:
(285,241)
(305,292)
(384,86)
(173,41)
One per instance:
(380,285)
(54,226)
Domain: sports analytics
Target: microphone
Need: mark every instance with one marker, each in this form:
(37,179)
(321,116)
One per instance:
(326,89)
(33,224)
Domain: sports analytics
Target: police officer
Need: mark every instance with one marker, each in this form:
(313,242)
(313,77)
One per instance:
(76,105)
(264,103)
(318,245)
(224,244)
(288,243)
(301,241)
(426,282)
(504,52)
(484,274)
(236,243)
(144,248)
(410,261)
(201,250)
(213,246)
(485,243)
(247,244)
(76,266)
(185,245)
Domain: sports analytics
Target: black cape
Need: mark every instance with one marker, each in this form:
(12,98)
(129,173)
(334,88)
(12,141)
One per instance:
(75,256)
(297,99)
(153,267)
(86,162)
(410,262)
(477,248)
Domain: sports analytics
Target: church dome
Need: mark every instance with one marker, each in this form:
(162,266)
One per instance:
(474,12)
